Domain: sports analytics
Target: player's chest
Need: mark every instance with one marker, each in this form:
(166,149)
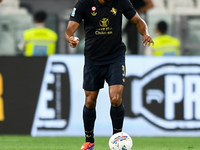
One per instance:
(102,14)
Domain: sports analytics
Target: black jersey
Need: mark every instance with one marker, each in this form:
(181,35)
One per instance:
(138,4)
(102,25)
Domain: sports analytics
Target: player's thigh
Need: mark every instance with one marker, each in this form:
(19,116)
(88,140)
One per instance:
(94,77)
(116,74)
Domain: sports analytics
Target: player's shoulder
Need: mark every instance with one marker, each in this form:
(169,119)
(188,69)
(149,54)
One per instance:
(86,1)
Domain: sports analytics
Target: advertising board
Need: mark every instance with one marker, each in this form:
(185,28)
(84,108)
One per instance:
(44,97)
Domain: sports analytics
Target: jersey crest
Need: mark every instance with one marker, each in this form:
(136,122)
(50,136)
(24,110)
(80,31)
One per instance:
(114,11)
(94,13)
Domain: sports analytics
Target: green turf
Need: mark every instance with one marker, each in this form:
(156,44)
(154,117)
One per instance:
(15,142)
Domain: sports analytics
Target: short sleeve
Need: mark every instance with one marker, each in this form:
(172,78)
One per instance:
(128,9)
(77,13)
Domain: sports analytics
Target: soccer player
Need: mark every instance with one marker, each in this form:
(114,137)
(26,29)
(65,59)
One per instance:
(104,55)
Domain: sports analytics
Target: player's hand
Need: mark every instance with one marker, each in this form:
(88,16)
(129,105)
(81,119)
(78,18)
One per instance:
(147,40)
(73,41)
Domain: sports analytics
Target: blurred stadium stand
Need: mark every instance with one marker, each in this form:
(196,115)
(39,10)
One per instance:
(13,21)
(58,15)
(183,17)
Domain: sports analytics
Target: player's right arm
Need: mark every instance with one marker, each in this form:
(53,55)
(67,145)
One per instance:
(74,22)
(69,33)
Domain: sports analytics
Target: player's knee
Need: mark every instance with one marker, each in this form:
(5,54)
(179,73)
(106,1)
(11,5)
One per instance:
(116,101)
(90,103)
(90,99)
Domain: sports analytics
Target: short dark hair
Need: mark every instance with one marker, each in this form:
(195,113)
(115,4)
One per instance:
(40,16)
(162,27)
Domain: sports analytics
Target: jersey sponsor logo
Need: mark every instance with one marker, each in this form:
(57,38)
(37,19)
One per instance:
(52,112)
(104,30)
(73,12)
(114,11)
(104,22)
(168,96)
(2,117)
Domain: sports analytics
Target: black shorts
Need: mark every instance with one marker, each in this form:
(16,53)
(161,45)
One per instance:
(95,75)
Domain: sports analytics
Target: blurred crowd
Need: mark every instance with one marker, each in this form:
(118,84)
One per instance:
(36,28)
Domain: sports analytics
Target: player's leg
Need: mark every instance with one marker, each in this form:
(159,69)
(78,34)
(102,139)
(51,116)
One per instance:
(116,80)
(93,81)
(89,114)
(117,108)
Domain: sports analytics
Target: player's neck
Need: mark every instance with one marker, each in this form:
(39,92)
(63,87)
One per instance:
(102,1)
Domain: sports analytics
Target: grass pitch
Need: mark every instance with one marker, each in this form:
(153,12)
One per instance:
(16,142)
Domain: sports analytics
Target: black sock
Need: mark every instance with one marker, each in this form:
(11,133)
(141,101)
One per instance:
(89,116)
(117,117)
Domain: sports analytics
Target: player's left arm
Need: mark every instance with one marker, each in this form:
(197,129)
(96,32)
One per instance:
(143,29)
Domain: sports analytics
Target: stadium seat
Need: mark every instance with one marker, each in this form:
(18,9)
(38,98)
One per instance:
(7,43)
(193,36)
(183,7)
(12,7)
(198,3)
(11,3)
(15,24)
(159,6)
(13,11)
(158,3)
(184,3)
